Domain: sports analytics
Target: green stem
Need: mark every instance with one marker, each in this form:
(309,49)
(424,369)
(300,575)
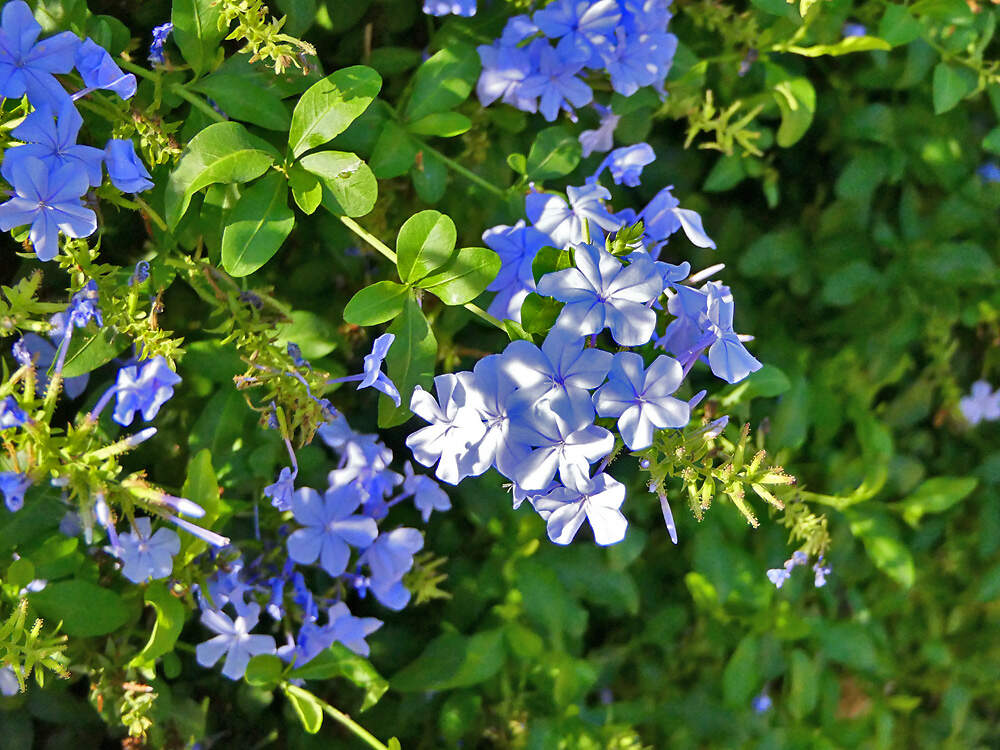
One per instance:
(196,101)
(358,730)
(465,172)
(384,249)
(140,71)
(368,237)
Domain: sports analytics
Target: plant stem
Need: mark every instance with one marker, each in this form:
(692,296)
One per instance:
(464,171)
(371,239)
(196,101)
(358,730)
(384,249)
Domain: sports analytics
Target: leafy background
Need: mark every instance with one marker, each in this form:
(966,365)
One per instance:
(863,248)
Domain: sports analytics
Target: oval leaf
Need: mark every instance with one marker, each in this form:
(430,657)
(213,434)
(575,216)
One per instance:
(375,304)
(84,608)
(260,222)
(555,153)
(425,242)
(222,152)
(348,186)
(307,708)
(444,81)
(443,124)
(464,277)
(330,105)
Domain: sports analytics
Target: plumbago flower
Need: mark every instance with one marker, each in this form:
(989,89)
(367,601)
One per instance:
(582,498)
(146,555)
(234,640)
(454,427)
(330,527)
(601,293)
(583,219)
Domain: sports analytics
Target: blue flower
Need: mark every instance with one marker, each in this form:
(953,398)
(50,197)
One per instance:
(99,71)
(8,682)
(427,494)
(853,29)
(233,640)
(727,356)
(11,414)
(125,168)
(637,60)
(390,557)
(989,172)
(600,292)
(144,388)
(146,557)
(54,142)
(505,67)
(778,576)
(50,203)
(450,7)
(662,217)
(454,426)
(517,247)
(83,306)
(282,490)
(601,139)
(13,485)
(160,34)
(982,404)
(641,400)
(581,27)
(350,630)
(821,572)
(561,364)
(626,164)
(596,500)
(373,375)
(580,220)
(330,527)
(27,66)
(761,703)
(42,353)
(555,82)
(561,432)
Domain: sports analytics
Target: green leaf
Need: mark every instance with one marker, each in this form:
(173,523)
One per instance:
(741,677)
(307,707)
(20,573)
(244,98)
(315,336)
(555,153)
(898,26)
(430,179)
(464,277)
(87,353)
(845,46)
(348,185)
(952,83)
(222,152)
(777,254)
(796,99)
(517,162)
(170,613)
(410,361)
(84,608)
(767,382)
(200,486)
(880,537)
(538,314)
(943,10)
(935,495)
(804,684)
(441,124)
(394,152)
(307,191)
(425,242)
(443,81)
(375,304)
(197,33)
(453,660)
(339,661)
(264,671)
(330,105)
(991,142)
(257,227)
(727,173)
(550,259)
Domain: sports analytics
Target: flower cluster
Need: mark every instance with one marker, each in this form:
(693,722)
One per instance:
(336,531)
(981,405)
(450,7)
(778,576)
(539,61)
(51,172)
